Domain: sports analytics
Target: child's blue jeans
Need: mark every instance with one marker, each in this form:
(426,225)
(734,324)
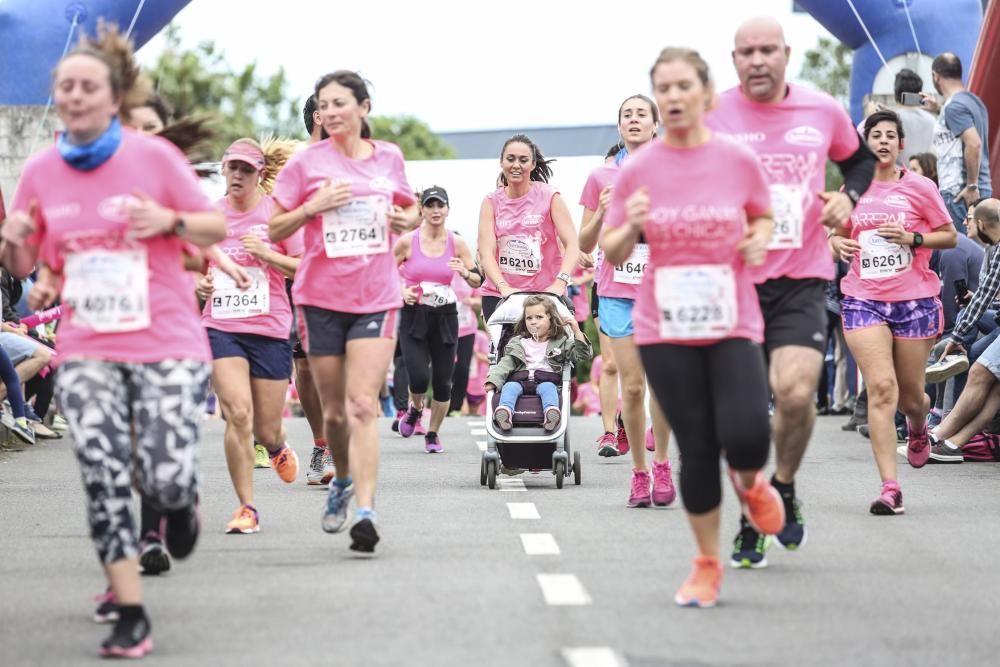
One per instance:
(546,391)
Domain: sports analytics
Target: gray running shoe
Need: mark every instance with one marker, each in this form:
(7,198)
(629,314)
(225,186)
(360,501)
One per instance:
(335,513)
(943,451)
(947,367)
(23,431)
(314,476)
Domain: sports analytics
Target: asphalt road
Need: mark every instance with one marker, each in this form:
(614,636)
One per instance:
(453,582)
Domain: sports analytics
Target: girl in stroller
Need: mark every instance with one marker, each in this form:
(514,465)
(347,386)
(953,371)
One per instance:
(541,347)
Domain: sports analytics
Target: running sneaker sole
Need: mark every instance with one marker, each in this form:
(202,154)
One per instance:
(608,451)
(938,373)
(137,651)
(693,603)
(154,560)
(243,531)
(433,449)
(746,564)
(364,537)
(639,503)
(502,419)
(794,546)
(882,508)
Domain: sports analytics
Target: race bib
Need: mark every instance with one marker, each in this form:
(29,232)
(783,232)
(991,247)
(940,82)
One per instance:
(787,202)
(229,302)
(631,272)
(359,227)
(520,255)
(881,258)
(436,294)
(696,302)
(108,289)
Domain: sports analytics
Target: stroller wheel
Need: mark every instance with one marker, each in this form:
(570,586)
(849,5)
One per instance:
(482,472)
(491,474)
(576,468)
(560,473)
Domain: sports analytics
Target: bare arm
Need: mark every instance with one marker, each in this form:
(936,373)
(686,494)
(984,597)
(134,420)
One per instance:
(464,258)
(401,251)
(567,234)
(488,248)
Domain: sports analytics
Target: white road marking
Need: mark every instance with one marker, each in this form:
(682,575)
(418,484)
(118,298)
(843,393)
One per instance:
(476,424)
(523,511)
(512,485)
(479,431)
(481,444)
(539,544)
(592,656)
(562,590)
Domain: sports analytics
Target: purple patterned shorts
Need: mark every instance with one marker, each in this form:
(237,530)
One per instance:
(920,318)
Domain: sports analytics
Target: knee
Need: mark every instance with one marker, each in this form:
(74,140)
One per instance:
(911,403)
(238,416)
(361,409)
(795,395)
(43,354)
(334,414)
(882,393)
(701,488)
(633,392)
(609,369)
(980,376)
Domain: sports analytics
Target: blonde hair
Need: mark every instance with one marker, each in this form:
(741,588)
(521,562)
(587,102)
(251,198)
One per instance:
(129,86)
(555,321)
(690,56)
(277,151)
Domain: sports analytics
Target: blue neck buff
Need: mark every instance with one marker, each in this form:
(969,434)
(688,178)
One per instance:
(620,156)
(88,157)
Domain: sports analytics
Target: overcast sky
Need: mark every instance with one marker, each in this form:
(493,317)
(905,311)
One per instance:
(474,65)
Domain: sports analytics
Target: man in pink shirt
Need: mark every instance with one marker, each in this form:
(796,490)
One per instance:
(793,130)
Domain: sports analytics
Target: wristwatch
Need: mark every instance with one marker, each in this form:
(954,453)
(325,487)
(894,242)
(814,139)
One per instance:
(918,239)
(565,277)
(972,186)
(178,226)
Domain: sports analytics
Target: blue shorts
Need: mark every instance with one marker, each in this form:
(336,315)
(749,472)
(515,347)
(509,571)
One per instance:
(616,316)
(18,347)
(919,318)
(270,358)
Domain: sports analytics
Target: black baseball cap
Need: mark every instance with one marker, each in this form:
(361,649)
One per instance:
(434,192)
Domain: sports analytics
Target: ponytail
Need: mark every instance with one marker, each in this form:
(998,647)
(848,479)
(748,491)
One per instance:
(277,151)
(129,86)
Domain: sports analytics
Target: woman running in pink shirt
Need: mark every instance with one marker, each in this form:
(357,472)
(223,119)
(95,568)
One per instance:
(111,213)
(892,314)
(248,328)
(350,195)
(527,241)
(697,320)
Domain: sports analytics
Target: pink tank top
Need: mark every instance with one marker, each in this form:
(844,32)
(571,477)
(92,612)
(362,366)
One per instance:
(419,268)
(527,244)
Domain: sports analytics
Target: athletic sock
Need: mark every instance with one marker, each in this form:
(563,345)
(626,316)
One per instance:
(275,453)
(319,443)
(365,513)
(344,483)
(786,490)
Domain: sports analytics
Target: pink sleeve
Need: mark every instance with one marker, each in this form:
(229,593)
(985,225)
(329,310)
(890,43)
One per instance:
(845,139)
(294,245)
(932,205)
(404,193)
(591,197)
(289,189)
(185,192)
(23,196)
(758,201)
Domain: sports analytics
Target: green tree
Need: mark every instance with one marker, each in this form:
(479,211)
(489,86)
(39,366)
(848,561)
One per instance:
(828,67)
(199,82)
(413,137)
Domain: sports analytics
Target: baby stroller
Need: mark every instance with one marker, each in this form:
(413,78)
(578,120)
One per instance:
(527,445)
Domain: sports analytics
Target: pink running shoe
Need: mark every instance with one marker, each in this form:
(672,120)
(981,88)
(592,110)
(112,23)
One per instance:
(650,440)
(621,438)
(639,496)
(607,445)
(408,424)
(664,492)
(918,450)
(420,429)
(432,443)
(890,501)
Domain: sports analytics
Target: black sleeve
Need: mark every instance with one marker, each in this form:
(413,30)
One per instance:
(858,171)
(10,299)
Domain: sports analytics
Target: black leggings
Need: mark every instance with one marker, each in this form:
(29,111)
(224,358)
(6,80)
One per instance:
(400,381)
(715,398)
(429,360)
(460,378)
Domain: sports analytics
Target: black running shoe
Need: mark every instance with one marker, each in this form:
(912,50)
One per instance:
(107,607)
(182,531)
(131,637)
(364,537)
(794,534)
(749,548)
(153,556)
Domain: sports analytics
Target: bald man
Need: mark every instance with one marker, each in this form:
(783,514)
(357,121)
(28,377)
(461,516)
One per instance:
(793,130)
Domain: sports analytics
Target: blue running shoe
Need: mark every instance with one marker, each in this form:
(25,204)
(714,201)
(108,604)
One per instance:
(794,535)
(749,548)
(335,513)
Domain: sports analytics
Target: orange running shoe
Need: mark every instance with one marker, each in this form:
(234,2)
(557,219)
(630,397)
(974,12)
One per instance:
(762,505)
(245,520)
(286,464)
(701,589)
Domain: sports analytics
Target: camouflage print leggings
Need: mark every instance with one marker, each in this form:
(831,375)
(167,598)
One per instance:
(102,402)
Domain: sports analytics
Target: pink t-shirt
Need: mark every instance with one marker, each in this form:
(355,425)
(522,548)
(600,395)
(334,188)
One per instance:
(621,281)
(478,369)
(348,264)
(792,139)
(127,300)
(587,395)
(229,303)
(527,244)
(884,271)
(581,297)
(467,322)
(534,354)
(697,289)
